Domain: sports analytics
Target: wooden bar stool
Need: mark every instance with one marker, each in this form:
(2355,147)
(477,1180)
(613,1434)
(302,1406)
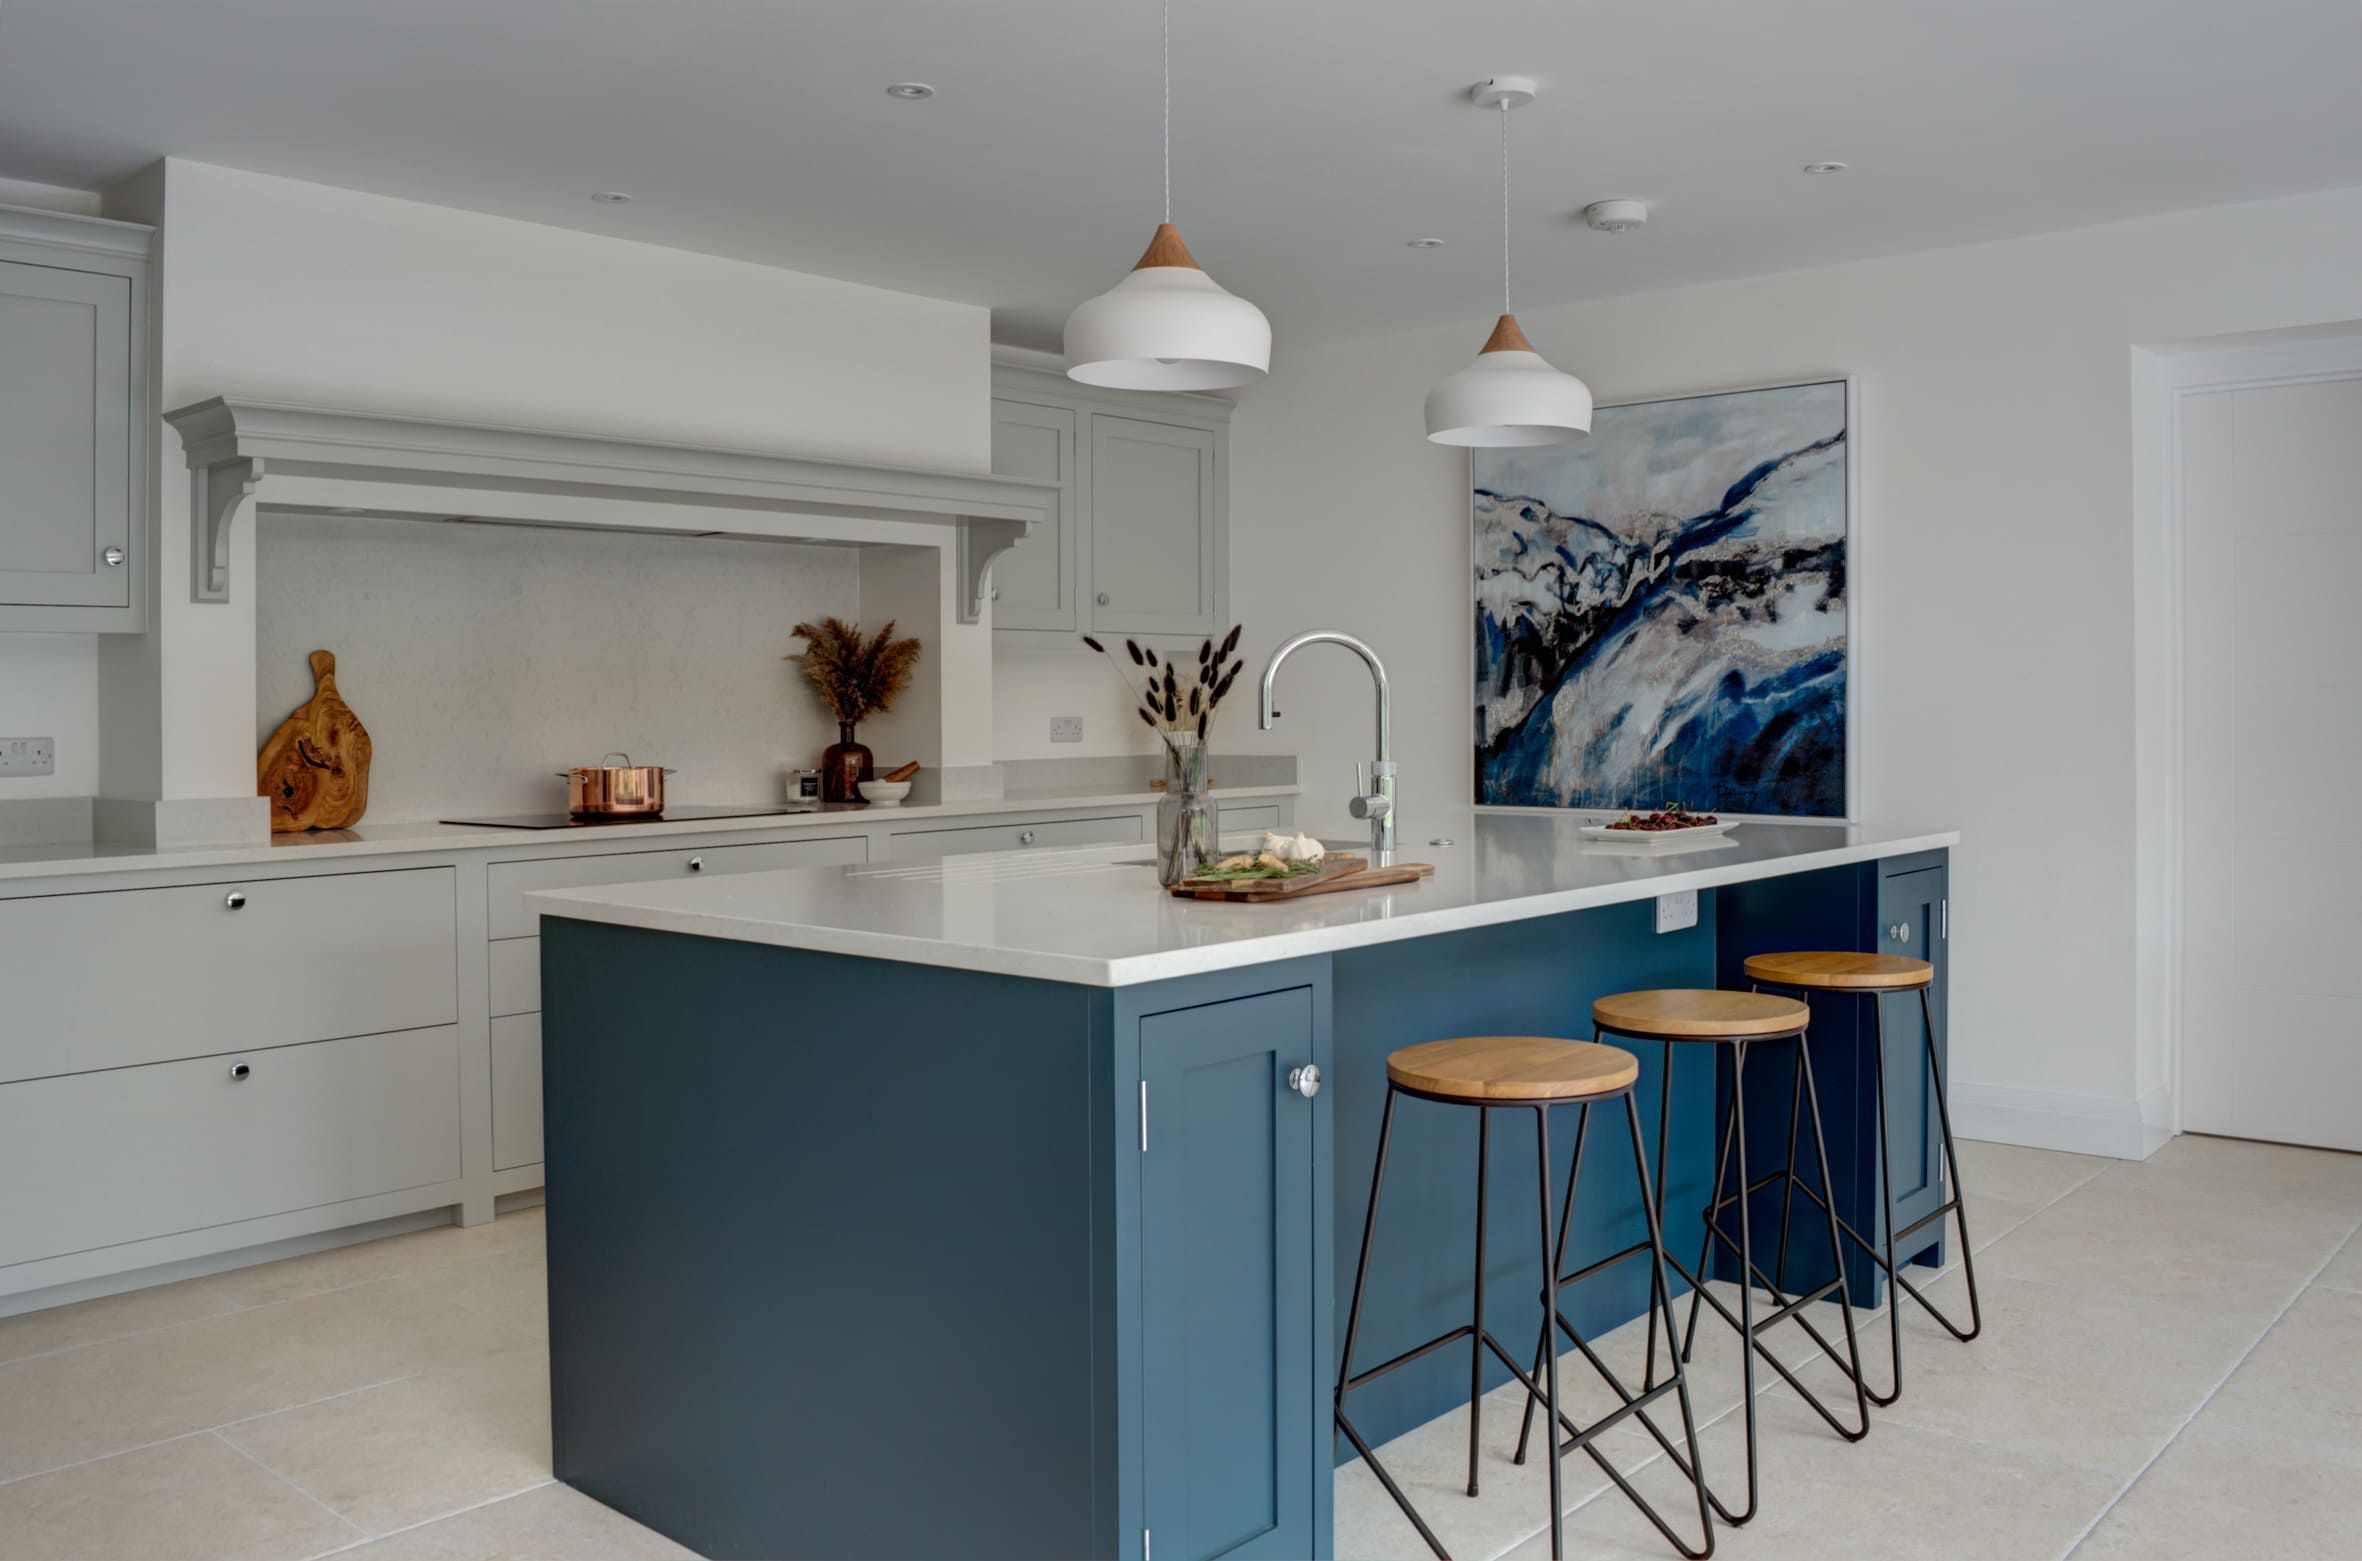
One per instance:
(1741,1021)
(1490,1072)
(1874,976)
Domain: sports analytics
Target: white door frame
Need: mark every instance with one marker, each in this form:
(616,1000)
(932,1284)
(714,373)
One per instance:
(2163,379)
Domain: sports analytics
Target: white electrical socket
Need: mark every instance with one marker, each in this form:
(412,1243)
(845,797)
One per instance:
(1066,728)
(1677,911)
(26,756)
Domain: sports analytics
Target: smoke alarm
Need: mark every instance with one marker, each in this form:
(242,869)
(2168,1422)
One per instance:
(1619,216)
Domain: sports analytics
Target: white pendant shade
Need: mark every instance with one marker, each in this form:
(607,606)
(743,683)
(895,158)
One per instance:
(1509,396)
(1167,326)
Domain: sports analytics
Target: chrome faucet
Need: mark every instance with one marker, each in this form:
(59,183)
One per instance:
(1373,792)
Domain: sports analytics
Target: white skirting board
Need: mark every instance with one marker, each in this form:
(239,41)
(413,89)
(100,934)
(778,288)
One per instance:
(2120,1127)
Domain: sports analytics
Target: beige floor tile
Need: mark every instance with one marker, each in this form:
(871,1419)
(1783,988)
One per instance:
(2135,1240)
(104,1398)
(512,1288)
(550,1523)
(1990,1219)
(389,1457)
(2020,1175)
(2305,1378)
(2345,1270)
(193,1497)
(2077,1376)
(108,1317)
(417,1251)
(1900,1495)
(2225,1495)
(2237,1168)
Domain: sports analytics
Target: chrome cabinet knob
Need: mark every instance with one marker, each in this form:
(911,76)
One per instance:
(697,864)
(1025,838)
(235,900)
(1102,598)
(1305,1080)
(241,1071)
(113,557)
(996,593)
(1900,932)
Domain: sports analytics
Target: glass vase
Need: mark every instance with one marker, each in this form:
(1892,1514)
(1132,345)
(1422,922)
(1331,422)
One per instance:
(1184,814)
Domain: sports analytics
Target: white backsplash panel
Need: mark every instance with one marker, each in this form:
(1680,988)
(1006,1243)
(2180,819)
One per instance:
(483,658)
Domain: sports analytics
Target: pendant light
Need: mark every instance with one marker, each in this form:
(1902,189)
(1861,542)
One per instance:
(1510,395)
(1168,325)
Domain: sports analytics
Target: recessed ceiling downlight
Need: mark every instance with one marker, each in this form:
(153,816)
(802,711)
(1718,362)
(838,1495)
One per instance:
(1424,243)
(611,197)
(1615,216)
(1821,168)
(910,91)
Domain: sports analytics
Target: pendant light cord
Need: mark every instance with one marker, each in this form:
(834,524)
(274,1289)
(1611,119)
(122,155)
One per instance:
(1168,66)
(1505,309)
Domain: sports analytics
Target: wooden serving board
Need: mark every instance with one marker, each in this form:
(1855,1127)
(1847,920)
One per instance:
(1337,871)
(315,768)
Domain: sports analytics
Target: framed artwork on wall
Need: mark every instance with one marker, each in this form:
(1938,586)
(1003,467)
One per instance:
(1663,610)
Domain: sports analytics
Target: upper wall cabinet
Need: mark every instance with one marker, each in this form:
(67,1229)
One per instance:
(1141,543)
(74,422)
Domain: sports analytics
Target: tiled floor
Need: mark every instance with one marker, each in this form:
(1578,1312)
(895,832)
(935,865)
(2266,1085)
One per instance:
(2172,1367)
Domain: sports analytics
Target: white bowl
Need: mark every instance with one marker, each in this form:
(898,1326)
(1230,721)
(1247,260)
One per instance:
(884,793)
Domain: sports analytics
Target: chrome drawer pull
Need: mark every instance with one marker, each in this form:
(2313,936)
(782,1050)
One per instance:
(241,1071)
(235,900)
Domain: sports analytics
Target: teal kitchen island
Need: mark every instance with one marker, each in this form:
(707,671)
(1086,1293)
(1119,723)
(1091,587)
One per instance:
(987,1207)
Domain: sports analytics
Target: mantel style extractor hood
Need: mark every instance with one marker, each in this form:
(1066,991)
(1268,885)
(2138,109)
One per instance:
(246,456)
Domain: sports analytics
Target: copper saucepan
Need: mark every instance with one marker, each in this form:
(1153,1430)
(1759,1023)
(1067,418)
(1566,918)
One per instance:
(606,790)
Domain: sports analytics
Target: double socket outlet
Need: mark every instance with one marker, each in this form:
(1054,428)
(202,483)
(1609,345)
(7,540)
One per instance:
(21,757)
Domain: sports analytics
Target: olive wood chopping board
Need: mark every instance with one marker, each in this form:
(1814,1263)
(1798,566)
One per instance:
(1338,871)
(315,768)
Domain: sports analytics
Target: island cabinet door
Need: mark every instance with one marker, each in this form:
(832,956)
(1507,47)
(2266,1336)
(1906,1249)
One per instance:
(1227,1259)
(1912,920)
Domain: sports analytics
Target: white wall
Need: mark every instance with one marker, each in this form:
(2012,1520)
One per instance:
(1995,662)
(298,292)
(49,688)
(484,658)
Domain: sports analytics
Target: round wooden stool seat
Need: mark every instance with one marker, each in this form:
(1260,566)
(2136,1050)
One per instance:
(1811,971)
(1498,1069)
(1687,1014)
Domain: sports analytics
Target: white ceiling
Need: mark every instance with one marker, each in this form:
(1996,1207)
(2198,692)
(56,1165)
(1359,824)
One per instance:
(1311,137)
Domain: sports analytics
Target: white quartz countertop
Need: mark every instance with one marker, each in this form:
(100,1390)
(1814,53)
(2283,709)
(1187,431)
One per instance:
(1097,917)
(74,858)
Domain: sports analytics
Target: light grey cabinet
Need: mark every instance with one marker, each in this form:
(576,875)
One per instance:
(1141,543)
(74,422)
(1034,584)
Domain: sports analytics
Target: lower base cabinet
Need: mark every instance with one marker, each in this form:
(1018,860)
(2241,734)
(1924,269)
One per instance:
(128,1153)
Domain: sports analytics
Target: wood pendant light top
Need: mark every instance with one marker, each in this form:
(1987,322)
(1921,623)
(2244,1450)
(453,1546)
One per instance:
(1833,971)
(1496,1069)
(1700,1015)
(315,768)
(1506,337)
(1166,249)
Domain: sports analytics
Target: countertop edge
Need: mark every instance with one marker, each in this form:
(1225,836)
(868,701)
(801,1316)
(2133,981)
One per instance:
(594,905)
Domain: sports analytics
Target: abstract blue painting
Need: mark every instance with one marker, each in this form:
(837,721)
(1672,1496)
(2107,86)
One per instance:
(1661,608)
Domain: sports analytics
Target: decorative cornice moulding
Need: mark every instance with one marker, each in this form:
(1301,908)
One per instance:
(245,454)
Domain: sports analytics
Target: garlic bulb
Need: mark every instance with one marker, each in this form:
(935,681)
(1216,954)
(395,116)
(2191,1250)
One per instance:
(1293,848)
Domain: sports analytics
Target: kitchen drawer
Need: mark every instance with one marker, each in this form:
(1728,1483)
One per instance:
(101,1158)
(136,976)
(512,881)
(516,976)
(920,844)
(1244,816)
(516,1089)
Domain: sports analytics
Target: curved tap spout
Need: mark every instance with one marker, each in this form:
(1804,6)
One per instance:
(1378,804)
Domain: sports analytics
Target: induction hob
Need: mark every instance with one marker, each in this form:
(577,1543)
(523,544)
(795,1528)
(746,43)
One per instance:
(668,816)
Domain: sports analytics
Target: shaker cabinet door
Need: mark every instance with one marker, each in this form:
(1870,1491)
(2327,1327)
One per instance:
(1154,537)
(1911,922)
(1034,583)
(1229,1450)
(65,437)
